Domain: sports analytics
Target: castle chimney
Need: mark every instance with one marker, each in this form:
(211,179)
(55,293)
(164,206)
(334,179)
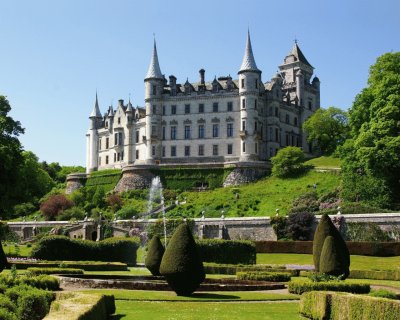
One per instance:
(202,71)
(172,81)
(121,102)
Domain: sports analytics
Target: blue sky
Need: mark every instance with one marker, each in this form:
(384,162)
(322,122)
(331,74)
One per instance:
(55,54)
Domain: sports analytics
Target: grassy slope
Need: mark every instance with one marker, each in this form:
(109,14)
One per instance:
(256,199)
(325,162)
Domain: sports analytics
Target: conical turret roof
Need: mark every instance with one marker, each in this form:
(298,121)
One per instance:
(248,63)
(154,70)
(96,110)
(299,55)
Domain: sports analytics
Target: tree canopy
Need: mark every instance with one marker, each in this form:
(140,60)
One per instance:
(288,161)
(327,129)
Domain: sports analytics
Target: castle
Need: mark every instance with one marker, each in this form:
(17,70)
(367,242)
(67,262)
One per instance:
(218,122)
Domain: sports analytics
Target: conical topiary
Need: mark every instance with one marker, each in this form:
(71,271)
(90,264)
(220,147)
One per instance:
(181,265)
(331,262)
(3,259)
(155,252)
(324,229)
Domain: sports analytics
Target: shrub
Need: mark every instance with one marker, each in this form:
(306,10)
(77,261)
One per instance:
(264,276)
(114,201)
(154,256)
(307,202)
(84,265)
(127,212)
(289,161)
(366,231)
(279,224)
(227,251)
(41,282)
(330,260)
(6,303)
(54,205)
(303,247)
(381,293)
(300,225)
(38,271)
(377,275)
(212,268)
(7,315)
(299,287)
(64,248)
(71,213)
(181,264)
(324,229)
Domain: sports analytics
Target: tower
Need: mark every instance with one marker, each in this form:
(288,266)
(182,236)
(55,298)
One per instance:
(92,139)
(154,84)
(249,93)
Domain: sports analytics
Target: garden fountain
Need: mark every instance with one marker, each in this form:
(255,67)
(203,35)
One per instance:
(156,195)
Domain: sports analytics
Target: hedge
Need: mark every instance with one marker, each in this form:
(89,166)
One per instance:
(212,268)
(41,282)
(379,249)
(227,251)
(264,276)
(345,306)
(85,307)
(84,265)
(37,271)
(299,287)
(368,274)
(64,248)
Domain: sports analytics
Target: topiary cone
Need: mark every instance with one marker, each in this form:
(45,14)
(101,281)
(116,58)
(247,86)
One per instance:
(331,261)
(154,256)
(324,229)
(181,265)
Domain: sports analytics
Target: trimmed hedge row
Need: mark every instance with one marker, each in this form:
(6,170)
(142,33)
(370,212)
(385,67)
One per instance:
(211,268)
(37,271)
(227,251)
(64,248)
(367,274)
(86,307)
(345,306)
(43,281)
(379,249)
(299,287)
(264,276)
(86,266)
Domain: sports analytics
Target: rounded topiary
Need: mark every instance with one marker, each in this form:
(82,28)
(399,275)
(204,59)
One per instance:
(154,256)
(324,229)
(181,265)
(331,261)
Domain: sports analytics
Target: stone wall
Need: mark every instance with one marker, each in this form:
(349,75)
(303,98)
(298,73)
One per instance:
(134,177)
(244,175)
(75,181)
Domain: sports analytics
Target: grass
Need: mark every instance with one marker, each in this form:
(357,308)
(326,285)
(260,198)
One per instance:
(256,199)
(21,250)
(325,162)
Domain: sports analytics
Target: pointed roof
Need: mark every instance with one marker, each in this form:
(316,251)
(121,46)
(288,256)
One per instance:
(248,64)
(299,55)
(96,110)
(129,108)
(154,70)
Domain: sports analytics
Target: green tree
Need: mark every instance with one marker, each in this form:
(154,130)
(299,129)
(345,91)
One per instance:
(288,161)
(327,129)
(331,262)
(10,156)
(371,158)
(154,256)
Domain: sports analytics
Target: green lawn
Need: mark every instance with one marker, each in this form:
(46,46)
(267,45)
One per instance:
(22,250)
(325,162)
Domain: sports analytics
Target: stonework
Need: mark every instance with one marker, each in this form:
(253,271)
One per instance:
(134,178)
(74,182)
(244,175)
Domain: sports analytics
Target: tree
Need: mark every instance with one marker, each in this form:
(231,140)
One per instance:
(181,265)
(331,262)
(300,225)
(154,256)
(10,156)
(288,161)
(371,158)
(327,129)
(54,205)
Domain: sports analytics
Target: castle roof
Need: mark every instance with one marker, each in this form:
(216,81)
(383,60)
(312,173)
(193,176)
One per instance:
(248,63)
(296,52)
(96,110)
(154,70)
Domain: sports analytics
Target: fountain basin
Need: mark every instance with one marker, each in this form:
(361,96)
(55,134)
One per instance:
(158,283)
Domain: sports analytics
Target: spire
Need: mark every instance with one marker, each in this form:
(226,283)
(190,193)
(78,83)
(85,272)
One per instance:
(154,70)
(96,110)
(248,64)
(298,54)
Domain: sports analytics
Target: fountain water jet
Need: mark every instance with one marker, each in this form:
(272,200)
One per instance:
(156,195)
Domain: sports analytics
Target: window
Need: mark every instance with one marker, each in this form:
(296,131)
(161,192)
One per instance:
(106,159)
(215,149)
(118,139)
(201,108)
(215,130)
(242,83)
(163,110)
(276,135)
(173,133)
(229,130)
(154,109)
(256,148)
(230,106)
(107,143)
(230,148)
(276,112)
(173,151)
(255,104)
(153,130)
(255,126)
(119,120)
(215,107)
(163,133)
(270,134)
(136,136)
(187,108)
(201,131)
(154,90)
(244,146)
(295,121)
(106,124)
(100,144)
(287,139)
(256,83)
(137,154)
(163,151)
(270,111)
(309,105)
(287,119)
(118,156)
(153,150)
(243,103)
(271,152)
(201,150)
(122,155)
(173,109)
(243,125)
(115,157)
(187,151)
(187,132)
(293,141)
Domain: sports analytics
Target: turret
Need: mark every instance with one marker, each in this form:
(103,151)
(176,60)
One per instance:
(249,89)
(92,138)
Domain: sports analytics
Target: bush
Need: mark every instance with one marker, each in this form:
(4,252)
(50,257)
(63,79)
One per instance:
(303,247)
(71,213)
(337,306)
(6,303)
(54,205)
(38,271)
(181,264)
(154,256)
(300,225)
(366,231)
(41,281)
(381,293)
(7,315)
(330,260)
(307,202)
(84,265)
(64,248)
(264,276)
(299,287)
(212,268)
(279,224)
(289,161)
(227,251)
(376,275)
(127,212)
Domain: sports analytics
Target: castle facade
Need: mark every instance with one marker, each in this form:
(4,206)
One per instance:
(223,121)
